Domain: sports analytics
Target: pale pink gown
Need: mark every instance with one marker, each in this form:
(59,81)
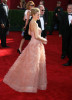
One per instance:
(28,73)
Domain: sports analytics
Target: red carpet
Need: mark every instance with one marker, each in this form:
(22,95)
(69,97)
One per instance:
(59,77)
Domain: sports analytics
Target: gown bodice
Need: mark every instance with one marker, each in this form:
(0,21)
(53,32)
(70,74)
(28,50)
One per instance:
(39,33)
(33,39)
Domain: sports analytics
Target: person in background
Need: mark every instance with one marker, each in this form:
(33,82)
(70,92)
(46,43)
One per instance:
(41,21)
(57,19)
(67,36)
(42,2)
(22,5)
(4,23)
(28,73)
(27,17)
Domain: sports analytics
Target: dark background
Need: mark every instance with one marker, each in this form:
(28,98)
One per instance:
(50,4)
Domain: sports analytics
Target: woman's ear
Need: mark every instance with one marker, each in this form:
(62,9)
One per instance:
(33,15)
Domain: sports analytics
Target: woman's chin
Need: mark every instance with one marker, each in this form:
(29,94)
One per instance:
(38,19)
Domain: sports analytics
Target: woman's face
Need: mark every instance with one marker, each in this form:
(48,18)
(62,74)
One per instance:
(37,16)
(31,6)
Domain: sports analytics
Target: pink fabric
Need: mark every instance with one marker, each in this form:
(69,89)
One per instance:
(28,73)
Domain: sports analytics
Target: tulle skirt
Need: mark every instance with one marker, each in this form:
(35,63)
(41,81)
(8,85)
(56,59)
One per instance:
(28,73)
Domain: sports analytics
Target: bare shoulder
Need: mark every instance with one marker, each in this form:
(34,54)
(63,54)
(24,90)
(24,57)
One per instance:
(33,23)
(28,12)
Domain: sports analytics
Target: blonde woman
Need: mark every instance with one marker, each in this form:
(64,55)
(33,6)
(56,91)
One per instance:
(28,73)
(27,17)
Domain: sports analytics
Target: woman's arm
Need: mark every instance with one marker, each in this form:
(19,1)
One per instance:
(27,20)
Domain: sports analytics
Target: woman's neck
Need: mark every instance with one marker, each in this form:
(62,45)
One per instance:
(34,19)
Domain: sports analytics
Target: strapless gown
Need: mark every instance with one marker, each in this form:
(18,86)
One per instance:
(28,73)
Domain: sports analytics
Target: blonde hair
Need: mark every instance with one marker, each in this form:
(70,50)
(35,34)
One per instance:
(28,4)
(34,11)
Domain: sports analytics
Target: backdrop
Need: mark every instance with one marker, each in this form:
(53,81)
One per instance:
(50,4)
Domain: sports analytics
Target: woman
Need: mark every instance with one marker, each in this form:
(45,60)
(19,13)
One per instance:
(27,16)
(28,73)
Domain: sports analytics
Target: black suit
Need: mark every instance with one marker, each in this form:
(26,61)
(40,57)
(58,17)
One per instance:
(57,19)
(43,34)
(3,20)
(46,16)
(67,37)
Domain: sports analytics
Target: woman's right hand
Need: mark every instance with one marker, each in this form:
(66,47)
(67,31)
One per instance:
(24,28)
(45,41)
